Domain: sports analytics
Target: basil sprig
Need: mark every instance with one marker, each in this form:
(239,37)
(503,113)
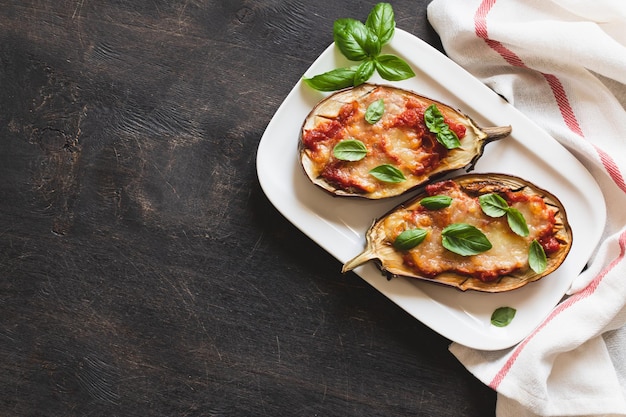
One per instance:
(537,257)
(502,316)
(387,173)
(350,150)
(410,238)
(464,239)
(493,205)
(436,124)
(436,202)
(363,43)
(375,111)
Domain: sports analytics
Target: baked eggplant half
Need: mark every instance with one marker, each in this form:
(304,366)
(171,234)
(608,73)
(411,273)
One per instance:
(377,141)
(484,232)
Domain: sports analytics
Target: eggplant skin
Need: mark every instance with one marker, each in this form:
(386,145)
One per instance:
(400,138)
(392,261)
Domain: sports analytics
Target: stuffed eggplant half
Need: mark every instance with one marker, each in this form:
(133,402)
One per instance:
(377,141)
(484,232)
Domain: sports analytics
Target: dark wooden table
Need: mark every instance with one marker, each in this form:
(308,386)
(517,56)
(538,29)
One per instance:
(143,272)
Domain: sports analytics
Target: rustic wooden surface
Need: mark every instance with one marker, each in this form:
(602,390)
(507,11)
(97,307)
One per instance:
(143,272)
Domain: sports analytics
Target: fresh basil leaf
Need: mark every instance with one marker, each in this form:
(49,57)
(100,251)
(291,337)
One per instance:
(517,222)
(448,138)
(387,173)
(436,202)
(332,80)
(350,150)
(464,239)
(375,111)
(355,41)
(493,205)
(503,316)
(537,257)
(435,122)
(363,72)
(382,22)
(372,45)
(409,239)
(393,68)
(433,118)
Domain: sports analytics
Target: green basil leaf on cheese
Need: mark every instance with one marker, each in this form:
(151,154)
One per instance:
(464,239)
(410,238)
(375,111)
(517,222)
(350,150)
(436,124)
(436,202)
(387,173)
(537,257)
(493,205)
(448,138)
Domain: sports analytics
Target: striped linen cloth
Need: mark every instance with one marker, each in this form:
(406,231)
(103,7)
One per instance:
(563,64)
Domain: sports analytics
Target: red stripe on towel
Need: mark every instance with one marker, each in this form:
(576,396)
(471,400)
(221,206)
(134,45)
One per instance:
(612,168)
(563,102)
(567,113)
(590,289)
(480,27)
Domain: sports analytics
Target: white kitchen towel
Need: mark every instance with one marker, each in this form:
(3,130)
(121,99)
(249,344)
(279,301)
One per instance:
(563,64)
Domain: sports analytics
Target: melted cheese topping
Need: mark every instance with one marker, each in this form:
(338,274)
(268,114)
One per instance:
(509,252)
(400,138)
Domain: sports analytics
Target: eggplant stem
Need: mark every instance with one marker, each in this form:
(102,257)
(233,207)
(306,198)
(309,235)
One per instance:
(360,259)
(496,132)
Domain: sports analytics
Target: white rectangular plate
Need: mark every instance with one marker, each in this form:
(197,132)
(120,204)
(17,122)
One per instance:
(339,225)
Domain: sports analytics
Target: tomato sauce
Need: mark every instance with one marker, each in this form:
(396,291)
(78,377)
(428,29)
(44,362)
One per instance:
(334,174)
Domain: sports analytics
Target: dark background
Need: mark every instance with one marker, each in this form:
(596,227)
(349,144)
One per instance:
(143,272)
